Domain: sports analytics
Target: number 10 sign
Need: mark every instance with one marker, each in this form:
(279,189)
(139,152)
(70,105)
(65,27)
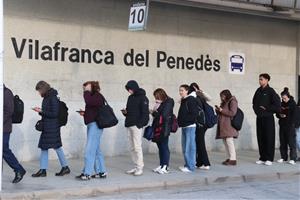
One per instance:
(138,16)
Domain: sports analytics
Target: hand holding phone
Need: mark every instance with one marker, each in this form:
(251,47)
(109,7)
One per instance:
(124,111)
(81,112)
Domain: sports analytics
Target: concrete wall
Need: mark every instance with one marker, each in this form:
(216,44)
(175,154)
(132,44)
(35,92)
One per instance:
(270,46)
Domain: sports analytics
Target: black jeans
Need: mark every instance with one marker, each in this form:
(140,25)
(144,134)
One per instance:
(8,155)
(164,152)
(265,129)
(287,135)
(201,154)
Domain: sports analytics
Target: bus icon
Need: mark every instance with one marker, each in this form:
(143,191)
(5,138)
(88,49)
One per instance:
(237,62)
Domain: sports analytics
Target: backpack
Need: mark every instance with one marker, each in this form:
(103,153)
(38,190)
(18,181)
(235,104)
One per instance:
(211,118)
(200,119)
(63,113)
(237,120)
(17,116)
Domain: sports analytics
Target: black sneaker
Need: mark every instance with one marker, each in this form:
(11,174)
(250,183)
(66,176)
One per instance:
(79,176)
(63,171)
(99,175)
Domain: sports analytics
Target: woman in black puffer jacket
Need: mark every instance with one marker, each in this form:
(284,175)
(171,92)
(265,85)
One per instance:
(162,122)
(50,136)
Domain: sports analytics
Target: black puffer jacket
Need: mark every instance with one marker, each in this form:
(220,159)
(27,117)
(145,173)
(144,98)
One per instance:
(188,112)
(8,110)
(268,98)
(50,136)
(137,107)
(165,110)
(290,110)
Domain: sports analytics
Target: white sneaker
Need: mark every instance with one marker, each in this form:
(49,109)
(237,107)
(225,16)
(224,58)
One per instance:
(259,162)
(132,171)
(268,163)
(204,167)
(138,172)
(163,170)
(292,162)
(156,169)
(280,160)
(185,169)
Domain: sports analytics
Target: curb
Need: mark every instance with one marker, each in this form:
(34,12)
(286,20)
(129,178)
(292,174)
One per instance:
(86,192)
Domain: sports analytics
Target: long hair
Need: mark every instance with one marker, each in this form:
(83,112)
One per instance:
(193,87)
(286,92)
(227,94)
(94,86)
(43,87)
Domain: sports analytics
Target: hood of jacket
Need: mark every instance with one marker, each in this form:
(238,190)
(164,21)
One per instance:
(132,85)
(51,92)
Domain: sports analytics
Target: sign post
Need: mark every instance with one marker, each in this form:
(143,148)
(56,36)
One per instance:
(138,16)
(1,88)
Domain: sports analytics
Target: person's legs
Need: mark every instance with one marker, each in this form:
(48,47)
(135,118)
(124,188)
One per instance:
(183,144)
(90,148)
(269,135)
(9,157)
(61,156)
(226,148)
(190,153)
(100,163)
(136,149)
(292,143)
(203,157)
(199,162)
(165,152)
(159,146)
(231,149)
(298,138)
(44,159)
(259,132)
(283,143)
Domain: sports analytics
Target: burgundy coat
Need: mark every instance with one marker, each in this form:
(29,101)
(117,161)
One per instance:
(92,104)
(225,129)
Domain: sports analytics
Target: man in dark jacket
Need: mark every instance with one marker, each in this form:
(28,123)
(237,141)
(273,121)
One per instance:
(266,102)
(137,116)
(297,126)
(8,156)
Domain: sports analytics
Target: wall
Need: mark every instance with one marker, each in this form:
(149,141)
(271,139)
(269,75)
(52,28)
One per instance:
(270,46)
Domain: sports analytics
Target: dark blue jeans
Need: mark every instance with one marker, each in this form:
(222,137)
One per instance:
(164,152)
(8,155)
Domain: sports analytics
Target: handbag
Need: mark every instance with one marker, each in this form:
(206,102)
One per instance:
(148,133)
(174,126)
(39,125)
(106,117)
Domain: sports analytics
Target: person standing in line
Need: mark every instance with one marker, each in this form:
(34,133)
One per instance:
(202,160)
(297,126)
(50,137)
(137,116)
(226,111)
(266,102)
(287,130)
(93,157)
(162,121)
(187,115)
(8,155)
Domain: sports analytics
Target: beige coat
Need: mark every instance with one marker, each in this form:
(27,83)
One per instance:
(225,129)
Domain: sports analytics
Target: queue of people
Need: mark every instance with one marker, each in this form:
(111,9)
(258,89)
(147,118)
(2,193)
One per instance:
(194,118)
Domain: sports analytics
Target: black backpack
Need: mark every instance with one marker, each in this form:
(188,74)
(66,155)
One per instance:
(200,119)
(63,113)
(18,114)
(237,120)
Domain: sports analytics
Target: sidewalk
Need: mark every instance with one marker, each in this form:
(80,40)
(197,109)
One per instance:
(53,187)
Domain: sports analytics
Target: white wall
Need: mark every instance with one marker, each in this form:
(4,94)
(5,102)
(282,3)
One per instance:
(269,44)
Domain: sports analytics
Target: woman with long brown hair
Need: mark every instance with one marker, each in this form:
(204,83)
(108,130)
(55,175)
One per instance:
(226,111)
(93,158)
(162,120)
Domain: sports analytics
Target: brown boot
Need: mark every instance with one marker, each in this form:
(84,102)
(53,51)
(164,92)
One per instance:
(225,162)
(231,162)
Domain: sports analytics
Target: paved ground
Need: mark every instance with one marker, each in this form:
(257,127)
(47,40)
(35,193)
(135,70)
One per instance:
(286,189)
(53,187)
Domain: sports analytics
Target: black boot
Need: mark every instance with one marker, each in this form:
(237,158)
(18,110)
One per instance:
(63,171)
(40,173)
(18,177)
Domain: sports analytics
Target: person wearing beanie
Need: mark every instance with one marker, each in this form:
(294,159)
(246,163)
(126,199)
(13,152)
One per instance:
(137,116)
